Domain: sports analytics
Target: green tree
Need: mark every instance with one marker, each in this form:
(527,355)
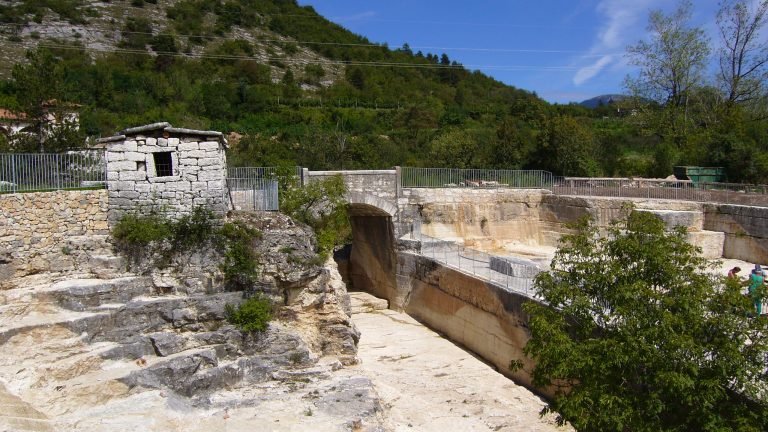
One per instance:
(321,204)
(136,33)
(455,148)
(636,334)
(567,147)
(744,53)
(37,84)
(673,62)
(513,145)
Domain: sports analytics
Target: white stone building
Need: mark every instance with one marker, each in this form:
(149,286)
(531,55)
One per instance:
(170,170)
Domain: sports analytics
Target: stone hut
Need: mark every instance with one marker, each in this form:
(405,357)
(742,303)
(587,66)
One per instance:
(161,168)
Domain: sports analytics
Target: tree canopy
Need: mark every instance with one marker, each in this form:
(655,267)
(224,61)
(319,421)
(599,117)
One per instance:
(301,90)
(635,333)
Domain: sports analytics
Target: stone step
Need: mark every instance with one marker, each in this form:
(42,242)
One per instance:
(145,315)
(21,424)
(18,415)
(363,302)
(123,323)
(18,321)
(197,372)
(105,265)
(85,294)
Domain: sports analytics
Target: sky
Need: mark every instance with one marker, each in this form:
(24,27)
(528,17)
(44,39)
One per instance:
(564,50)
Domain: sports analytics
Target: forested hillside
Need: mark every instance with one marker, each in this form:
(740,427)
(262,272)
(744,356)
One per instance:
(294,88)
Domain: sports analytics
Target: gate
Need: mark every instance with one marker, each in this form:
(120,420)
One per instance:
(253,189)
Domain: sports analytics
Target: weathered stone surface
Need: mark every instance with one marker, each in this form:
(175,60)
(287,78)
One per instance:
(286,250)
(691,220)
(132,168)
(39,232)
(350,398)
(365,303)
(80,294)
(745,228)
(518,267)
(711,243)
(173,373)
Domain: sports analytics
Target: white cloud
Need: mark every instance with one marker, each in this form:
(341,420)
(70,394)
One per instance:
(623,24)
(588,72)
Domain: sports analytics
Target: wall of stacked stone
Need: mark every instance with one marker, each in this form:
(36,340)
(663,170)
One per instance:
(381,183)
(745,228)
(198,177)
(39,225)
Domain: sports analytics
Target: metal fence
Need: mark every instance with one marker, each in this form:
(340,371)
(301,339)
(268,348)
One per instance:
(411,177)
(253,188)
(506,273)
(684,190)
(30,172)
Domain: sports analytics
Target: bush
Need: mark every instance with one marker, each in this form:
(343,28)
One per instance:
(319,204)
(239,266)
(139,236)
(252,315)
(153,236)
(142,236)
(193,230)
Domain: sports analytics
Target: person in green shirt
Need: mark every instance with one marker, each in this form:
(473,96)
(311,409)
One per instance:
(756,290)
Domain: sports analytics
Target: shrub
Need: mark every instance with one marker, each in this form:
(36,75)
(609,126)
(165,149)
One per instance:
(319,204)
(142,236)
(252,315)
(239,266)
(193,230)
(139,236)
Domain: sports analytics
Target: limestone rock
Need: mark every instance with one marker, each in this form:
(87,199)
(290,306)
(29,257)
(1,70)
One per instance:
(286,250)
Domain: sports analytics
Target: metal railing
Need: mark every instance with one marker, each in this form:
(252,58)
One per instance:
(253,188)
(411,177)
(683,190)
(31,172)
(514,276)
(251,172)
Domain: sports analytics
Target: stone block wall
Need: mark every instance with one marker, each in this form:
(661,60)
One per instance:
(379,183)
(37,230)
(745,229)
(486,319)
(197,175)
(474,213)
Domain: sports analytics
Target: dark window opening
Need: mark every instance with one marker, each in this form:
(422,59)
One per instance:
(163,164)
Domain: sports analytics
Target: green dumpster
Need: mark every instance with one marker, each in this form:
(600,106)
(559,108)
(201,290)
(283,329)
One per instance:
(699,174)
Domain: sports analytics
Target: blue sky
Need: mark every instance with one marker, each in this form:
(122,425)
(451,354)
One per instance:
(564,50)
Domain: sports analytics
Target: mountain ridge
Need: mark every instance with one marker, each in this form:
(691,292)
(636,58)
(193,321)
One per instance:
(605,99)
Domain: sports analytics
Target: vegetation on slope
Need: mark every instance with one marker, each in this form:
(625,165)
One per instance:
(300,90)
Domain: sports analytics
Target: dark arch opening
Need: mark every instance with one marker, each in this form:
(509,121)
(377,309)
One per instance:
(370,262)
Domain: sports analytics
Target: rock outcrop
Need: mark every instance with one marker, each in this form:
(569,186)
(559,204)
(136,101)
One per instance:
(154,351)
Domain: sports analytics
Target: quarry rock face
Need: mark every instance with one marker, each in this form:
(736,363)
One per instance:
(154,351)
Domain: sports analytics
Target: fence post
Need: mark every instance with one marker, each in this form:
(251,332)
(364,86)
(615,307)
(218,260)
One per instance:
(13,173)
(253,193)
(398,183)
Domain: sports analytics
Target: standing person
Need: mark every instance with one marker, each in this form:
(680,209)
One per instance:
(734,273)
(756,281)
